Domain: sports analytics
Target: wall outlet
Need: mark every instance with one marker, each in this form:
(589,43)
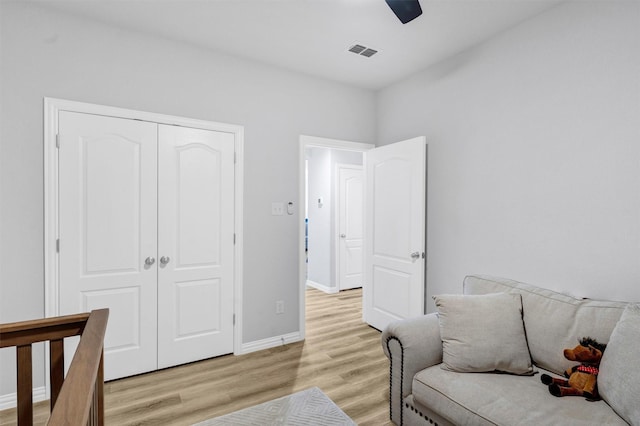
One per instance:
(280,307)
(277,208)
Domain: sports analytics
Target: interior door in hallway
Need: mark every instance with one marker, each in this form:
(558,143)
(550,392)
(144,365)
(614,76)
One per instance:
(107,231)
(195,244)
(350,229)
(395,232)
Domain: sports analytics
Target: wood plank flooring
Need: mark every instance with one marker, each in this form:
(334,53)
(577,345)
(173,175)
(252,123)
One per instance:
(341,355)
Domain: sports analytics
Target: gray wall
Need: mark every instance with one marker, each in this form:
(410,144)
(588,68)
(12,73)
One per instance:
(534,153)
(319,226)
(44,53)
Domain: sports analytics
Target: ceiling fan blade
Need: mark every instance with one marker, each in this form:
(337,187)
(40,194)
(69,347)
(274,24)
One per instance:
(405,10)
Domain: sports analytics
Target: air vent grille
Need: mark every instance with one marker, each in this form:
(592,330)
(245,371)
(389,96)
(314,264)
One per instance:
(356,48)
(361,50)
(369,52)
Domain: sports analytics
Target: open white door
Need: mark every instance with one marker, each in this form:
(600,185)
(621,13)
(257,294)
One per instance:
(395,228)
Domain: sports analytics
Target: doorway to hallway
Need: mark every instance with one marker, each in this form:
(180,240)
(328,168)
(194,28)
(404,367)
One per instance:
(333,219)
(331,187)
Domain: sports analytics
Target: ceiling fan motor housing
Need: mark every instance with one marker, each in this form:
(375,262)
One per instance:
(405,10)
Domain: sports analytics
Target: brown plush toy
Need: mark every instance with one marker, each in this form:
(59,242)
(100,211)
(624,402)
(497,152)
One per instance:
(582,379)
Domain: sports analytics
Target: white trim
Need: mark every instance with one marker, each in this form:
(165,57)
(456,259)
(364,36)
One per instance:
(323,288)
(10,400)
(308,142)
(239,240)
(52,108)
(270,342)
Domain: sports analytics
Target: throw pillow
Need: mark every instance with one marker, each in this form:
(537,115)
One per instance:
(619,378)
(482,333)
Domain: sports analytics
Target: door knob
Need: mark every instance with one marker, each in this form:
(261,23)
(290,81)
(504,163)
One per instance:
(343,235)
(150,261)
(415,255)
(165,259)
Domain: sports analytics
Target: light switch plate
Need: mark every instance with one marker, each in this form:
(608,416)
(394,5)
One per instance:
(277,209)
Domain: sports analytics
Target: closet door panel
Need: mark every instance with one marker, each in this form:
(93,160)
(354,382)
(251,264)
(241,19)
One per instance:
(195,244)
(108,228)
(198,205)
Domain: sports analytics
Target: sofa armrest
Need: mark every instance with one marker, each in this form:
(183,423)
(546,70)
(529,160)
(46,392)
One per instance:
(411,346)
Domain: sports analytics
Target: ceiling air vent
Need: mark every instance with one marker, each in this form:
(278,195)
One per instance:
(356,48)
(361,50)
(369,52)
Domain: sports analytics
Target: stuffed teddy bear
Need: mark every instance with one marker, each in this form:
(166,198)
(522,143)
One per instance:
(582,379)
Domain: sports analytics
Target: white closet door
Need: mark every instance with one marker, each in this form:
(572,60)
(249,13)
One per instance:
(195,244)
(108,228)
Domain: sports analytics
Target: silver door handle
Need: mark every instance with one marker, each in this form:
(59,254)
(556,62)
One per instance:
(415,255)
(165,259)
(150,261)
(343,235)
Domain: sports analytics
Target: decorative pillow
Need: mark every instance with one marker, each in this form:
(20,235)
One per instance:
(619,378)
(482,333)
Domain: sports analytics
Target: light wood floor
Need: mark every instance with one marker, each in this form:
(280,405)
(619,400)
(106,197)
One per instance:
(341,355)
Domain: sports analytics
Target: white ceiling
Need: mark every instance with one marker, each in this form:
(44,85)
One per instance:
(312,36)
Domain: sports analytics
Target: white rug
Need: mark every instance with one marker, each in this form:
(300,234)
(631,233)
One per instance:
(309,407)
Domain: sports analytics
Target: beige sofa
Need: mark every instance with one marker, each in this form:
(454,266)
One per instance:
(423,393)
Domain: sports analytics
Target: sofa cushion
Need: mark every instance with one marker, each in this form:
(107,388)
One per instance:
(504,399)
(553,321)
(619,379)
(483,333)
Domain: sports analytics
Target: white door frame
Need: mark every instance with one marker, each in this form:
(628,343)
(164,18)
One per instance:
(317,142)
(52,108)
(336,213)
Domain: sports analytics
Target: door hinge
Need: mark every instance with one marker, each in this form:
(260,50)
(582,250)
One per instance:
(234,238)
(58,245)
(234,319)
(58,140)
(235,158)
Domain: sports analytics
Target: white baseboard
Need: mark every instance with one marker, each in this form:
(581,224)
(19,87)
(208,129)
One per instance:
(270,342)
(10,400)
(322,287)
